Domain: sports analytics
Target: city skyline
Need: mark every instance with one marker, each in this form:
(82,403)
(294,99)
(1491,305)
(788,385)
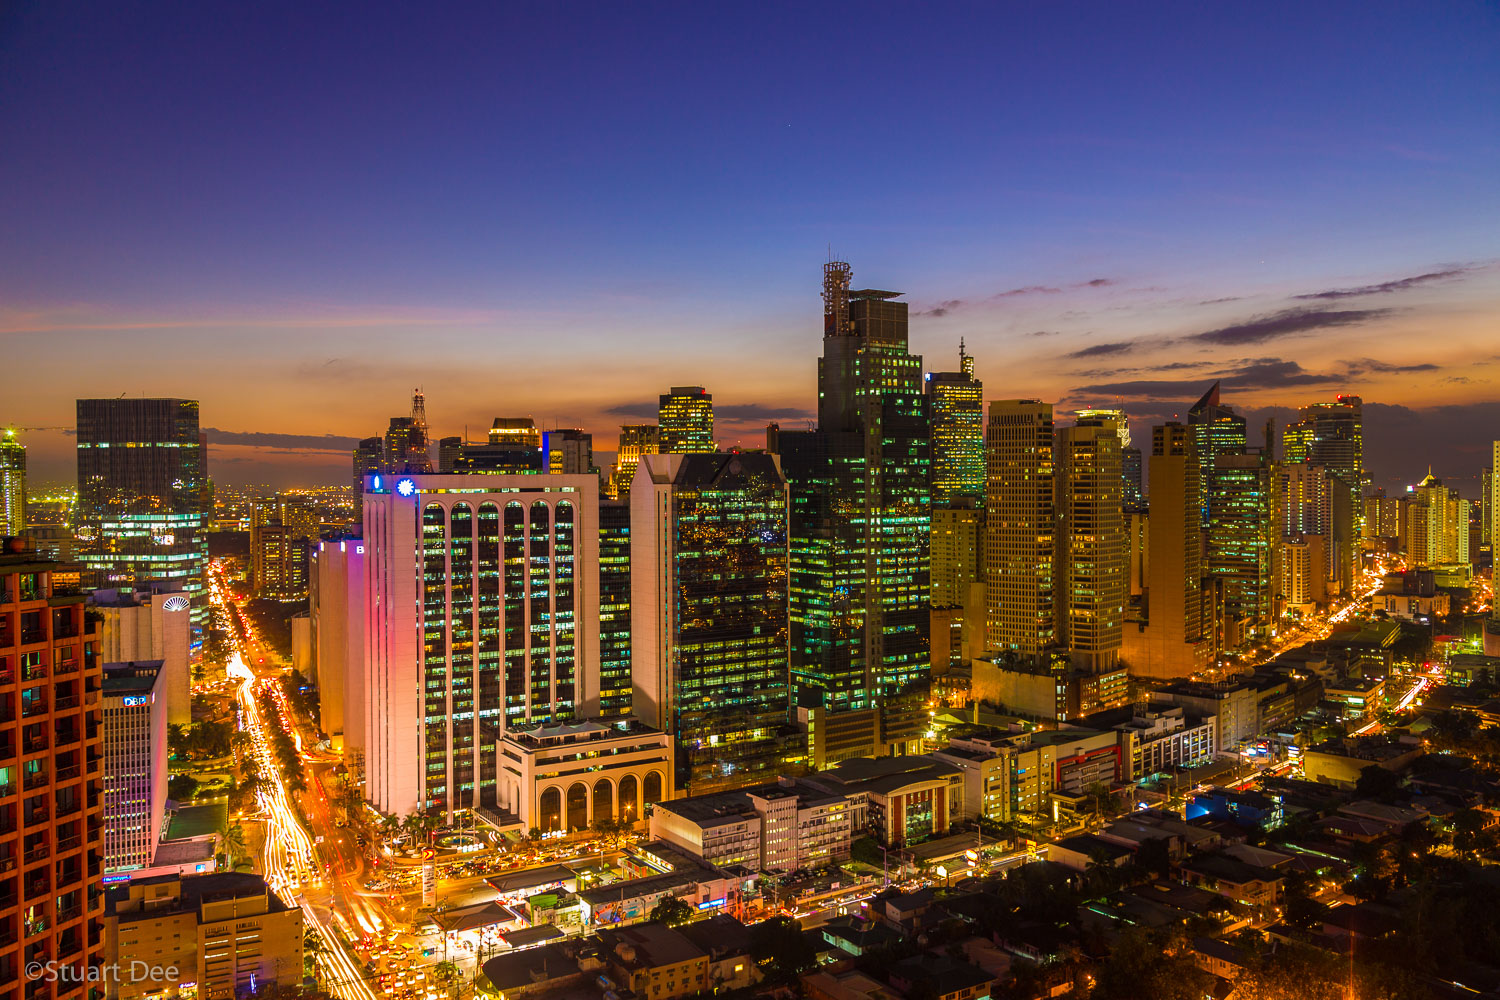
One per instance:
(1175,213)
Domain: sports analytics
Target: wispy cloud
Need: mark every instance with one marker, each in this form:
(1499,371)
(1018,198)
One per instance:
(1387,287)
(271,439)
(1286,323)
(1099,350)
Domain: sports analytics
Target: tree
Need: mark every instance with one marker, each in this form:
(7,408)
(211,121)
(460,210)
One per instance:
(233,840)
(1148,964)
(182,787)
(780,945)
(672,911)
(1375,782)
(446,973)
(866,852)
(1471,833)
(606,828)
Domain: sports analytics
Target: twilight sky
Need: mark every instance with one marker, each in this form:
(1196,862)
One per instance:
(562,209)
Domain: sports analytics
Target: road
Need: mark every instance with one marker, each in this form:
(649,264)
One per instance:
(287,859)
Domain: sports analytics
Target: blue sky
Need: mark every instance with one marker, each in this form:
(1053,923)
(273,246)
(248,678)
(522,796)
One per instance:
(295,215)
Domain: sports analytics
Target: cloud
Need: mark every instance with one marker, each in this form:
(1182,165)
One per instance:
(1287,323)
(1214,302)
(641,409)
(1099,282)
(1258,373)
(942,308)
(1043,333)
(296,442)
(1028,290)
(1387,287)
(1116,347)
(1371,365)
(756,411)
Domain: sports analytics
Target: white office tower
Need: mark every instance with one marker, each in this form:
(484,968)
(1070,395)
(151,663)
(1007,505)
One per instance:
(481,618)
(150,624)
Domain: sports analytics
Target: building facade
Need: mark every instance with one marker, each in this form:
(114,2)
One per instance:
(51,757)
(135,764)
(615,680)
(337,621)
(685,421)
(481,616)
(150,624)
(568,775)
(1020,527)
(708,578)
(225,934)
(956,400)
(635,440)
(860,517)
(1091,566)
(142,513)
(12,486)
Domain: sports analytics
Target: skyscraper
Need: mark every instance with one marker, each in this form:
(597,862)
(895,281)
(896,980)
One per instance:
(1242,542)
(956,400)
(1217,430)
(686,420)
(708,611)
(135,764)
(1332,435)
(141,514)
(570,452)
(1134,497)
(635,440)
(1494,507)
(1176,640)
(1437,525)
(614,609)
(1091,566)
(482,618)
(1020,526)
(50,731)
(860,517)
(369,460)
(12,485)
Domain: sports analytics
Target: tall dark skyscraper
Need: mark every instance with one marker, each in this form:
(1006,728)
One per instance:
(141,494)
(957,404)
(708,578)
(1217,430)
(614,608)
(860,496)
(368,461)
(1331,435)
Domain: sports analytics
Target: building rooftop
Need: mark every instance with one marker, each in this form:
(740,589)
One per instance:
(183,852)
(618,892)
(136,677)
(653,945)
(194,891)
(884,775)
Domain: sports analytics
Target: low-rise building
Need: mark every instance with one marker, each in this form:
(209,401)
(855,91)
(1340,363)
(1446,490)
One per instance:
(222,935)
(898,800)
(1339,761)
(1465,669)
(1355,697)
(567,776)
(780,827)
(1157,741)
(1240,882)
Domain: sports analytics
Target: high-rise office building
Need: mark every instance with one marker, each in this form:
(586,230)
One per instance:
(1091,566)
(51,841)
(1331,435)
(450,450)
(482,608)
(1242,540)
(141,477)
(685,419)
(1437,525)
(957,574)
(282,532)
(708,609)
(514,447)
(1020,527)
(956,400)
(336,613)
(1494,506)
(1134,497)
(860,520)
(1176,640)
(635,440)
(1217,430)
(150,624)
(570,452)
(135,764)
(615,683)
(369,460)
(12,486)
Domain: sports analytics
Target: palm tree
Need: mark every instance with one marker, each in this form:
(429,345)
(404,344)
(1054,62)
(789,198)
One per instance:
(312,947)
(233,840)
